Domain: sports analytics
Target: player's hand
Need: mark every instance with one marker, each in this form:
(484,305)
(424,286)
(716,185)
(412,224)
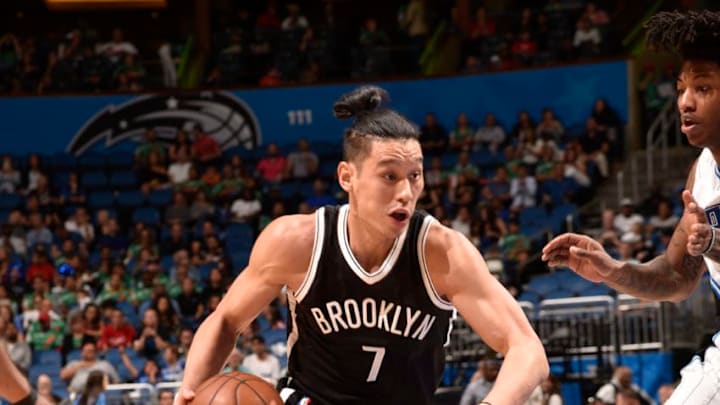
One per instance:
(699,232)
(582,254)
(183,396)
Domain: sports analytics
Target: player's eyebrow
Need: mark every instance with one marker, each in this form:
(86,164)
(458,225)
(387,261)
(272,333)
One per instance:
(394,161)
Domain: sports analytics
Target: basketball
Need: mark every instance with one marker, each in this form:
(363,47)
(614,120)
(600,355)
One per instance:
(236,388)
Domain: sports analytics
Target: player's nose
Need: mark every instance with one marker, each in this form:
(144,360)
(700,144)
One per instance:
(686,101)
(404,191)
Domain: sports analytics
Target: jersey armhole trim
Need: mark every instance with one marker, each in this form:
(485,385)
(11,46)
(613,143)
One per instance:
(429,287)
(315,257)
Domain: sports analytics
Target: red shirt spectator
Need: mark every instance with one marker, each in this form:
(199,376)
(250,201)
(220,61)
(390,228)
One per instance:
(118,333)
(40,267)
(524,46)
(205,147)
(272,166)
(268,19)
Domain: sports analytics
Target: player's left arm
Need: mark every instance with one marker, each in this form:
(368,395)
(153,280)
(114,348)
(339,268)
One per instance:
(461,276)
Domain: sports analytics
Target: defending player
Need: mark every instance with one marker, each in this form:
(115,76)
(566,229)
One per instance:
(373,285)
(695,245)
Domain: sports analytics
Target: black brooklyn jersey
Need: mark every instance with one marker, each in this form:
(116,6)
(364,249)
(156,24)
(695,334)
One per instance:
(367,338)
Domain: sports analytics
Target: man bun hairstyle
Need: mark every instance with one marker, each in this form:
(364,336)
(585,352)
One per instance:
(371,121)
(693,34)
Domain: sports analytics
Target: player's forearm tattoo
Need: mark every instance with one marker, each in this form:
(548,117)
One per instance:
(657,280)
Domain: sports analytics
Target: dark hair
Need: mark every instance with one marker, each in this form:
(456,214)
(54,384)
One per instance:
(694,34)
(371,121)
(258,339)
(93,388)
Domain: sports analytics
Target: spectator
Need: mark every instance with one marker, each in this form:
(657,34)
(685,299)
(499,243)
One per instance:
(627,216)
(435,176)
(272,166)
(261,363)
(80,223)
(71,192)
(149,145)
(178,212)
(247,208)
(272,78)
(185,340)
(38,234)
(10,180)
(205,148)
(294,20)
(461,138)
(166,397)
(94,392)
(173,369)
(92,320)
(320,196)
(268,19)
(433,137)
(181,143)
(235,362)
(481,383)
(303,163)
(153,175)
(75,336)
(491,135)
(587,38)
(499,185)
(595,146)
(44,391)
(150,342)
(514,242)
(524,48)
(40,266)
(462,221)
(482,26)
(45,333)
(18,350)
(523,128)
(621,383)
(549,127)
(77,372)
(523,190)
(596,16)
(117,333)
(117,48)
(190,303)
(179,170)
(168,321)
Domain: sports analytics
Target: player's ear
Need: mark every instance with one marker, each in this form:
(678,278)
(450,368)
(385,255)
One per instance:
(345,172)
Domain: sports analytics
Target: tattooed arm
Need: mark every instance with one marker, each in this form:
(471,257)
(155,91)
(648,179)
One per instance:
(671,276)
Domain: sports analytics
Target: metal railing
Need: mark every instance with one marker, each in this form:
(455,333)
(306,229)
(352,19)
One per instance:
(657,137)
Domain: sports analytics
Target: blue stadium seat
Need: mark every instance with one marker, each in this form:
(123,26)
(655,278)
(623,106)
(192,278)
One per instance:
(120,161)
(328,169)
(533,216)
(239,260)
(47,357)
(60,161)
(131,199)
(236,243)
(94,180)
(161,197)
(239,230)
(123,180)
(10,201)
(542,285)
(529,296)
(597,289)
(147,215)
(559,293)
(73,355)
(101,199)
(52,370)
(577,284)
(91,162)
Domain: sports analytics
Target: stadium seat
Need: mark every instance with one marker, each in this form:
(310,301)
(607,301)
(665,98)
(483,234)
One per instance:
(73,355)
(161,197)
(558,293)
(529,296)
(60,161)
(597,289)
(120,161)
(123,180)
(147,215)
(239,230)
(94,180)
(239,260)
(101,199)
(52,370)
(47,357)
(10,201)
(542,285)
(130,199)
(236,243)
(91,162)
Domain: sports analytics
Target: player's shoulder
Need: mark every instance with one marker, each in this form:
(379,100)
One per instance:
(441,238)
(290,231)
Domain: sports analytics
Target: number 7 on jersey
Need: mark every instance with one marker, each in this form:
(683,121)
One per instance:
(377,361)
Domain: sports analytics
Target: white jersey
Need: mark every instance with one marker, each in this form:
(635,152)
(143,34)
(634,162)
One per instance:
(699,383)
(706,192)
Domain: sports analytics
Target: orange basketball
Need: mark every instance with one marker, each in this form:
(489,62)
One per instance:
(236,388)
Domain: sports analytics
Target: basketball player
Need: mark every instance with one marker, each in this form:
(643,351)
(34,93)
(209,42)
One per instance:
(695,244)
(372,285)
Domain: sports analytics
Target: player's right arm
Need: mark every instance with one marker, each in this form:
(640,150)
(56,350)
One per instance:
(279,257)
(671,276)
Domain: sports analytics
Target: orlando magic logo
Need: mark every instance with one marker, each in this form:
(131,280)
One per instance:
(226,118)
